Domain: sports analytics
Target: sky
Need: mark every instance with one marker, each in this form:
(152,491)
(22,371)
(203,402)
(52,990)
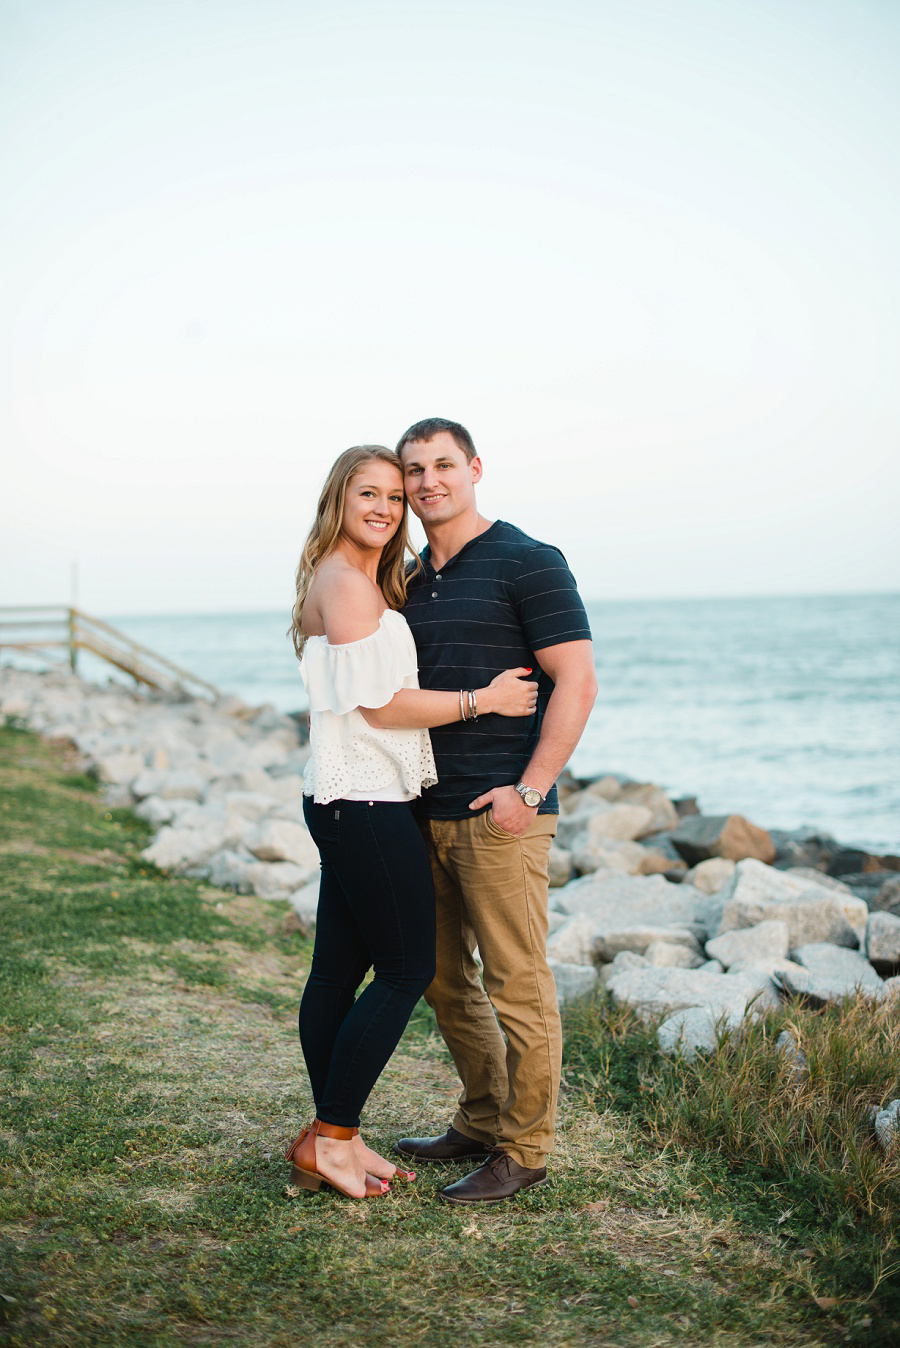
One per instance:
(646,250)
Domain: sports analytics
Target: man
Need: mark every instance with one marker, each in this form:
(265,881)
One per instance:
(491,598)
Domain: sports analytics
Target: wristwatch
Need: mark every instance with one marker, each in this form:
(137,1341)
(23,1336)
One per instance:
(530,794)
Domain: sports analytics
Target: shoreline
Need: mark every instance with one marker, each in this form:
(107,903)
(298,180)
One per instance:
(680,914)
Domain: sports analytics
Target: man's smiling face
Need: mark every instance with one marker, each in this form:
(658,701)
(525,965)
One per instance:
(439,479)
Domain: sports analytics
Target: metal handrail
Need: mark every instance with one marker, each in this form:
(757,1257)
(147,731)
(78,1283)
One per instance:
(140,662)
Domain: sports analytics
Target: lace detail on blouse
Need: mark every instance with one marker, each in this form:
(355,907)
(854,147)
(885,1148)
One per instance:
(347,753)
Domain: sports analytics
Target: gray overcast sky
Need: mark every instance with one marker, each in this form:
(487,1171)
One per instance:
(647,250)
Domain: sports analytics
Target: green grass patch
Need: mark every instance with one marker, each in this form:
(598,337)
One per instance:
(151,1078)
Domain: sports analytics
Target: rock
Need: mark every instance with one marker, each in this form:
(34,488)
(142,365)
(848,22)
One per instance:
(831,974)
(119,769)
(757,893)
(574,942)
(767,940)
(177,785)
(567,784)
(887,1126)
(626,857)
(660,992)
(892,986)
(657,863)
(555,921)
(887,898)
(711,967)
(686,805)
(254,779)
(607,787)
(662,842)
(250,805)
(700,836)
(711,875)
(628,912)
(793,1053)
(804,846)
(275,879)
(883,942)
(597,821)
(227,869)
(664,816)
(572,980)
(766,964)
(560,866)
(819,878)
(695,1030)
(176,849)
(155,810)
(282,840)
(673,955)
(625,960)
(846,860)
(285,788)
(305,903)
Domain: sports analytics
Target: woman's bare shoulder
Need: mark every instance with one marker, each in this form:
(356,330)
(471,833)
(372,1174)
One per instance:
(347,603)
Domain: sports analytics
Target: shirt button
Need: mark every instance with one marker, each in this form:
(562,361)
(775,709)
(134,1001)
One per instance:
(438,577)
(434,594)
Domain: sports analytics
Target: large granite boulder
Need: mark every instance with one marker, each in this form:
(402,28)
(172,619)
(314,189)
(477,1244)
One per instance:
(886,899)
(119,769)
(887,1126)
(282,840)
(627,857)
(711,875)
(699,837)
(832,973)
(766,941)
(883,942)
(664,816)
(673,954)
(695,1030)
(276,879)
(560,867)
(813,912)
(572,980)
(305,903)
(181,849)
(597,821)
(660,992)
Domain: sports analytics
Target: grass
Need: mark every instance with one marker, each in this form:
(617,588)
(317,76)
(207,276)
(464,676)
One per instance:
(151,1077)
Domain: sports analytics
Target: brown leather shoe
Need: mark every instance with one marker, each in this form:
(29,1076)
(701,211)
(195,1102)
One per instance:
(451,1146)
(500,1177)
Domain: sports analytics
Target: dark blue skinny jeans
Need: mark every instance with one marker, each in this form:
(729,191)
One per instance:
(376,910)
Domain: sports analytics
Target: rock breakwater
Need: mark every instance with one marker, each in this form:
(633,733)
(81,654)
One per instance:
(697,920)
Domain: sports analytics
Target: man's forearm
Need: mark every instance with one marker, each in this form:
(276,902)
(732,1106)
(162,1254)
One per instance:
(562,727)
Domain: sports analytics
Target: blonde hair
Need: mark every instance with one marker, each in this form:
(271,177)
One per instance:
(325,535)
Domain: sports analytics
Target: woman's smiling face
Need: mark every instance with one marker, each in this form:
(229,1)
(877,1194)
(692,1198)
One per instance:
(373,506)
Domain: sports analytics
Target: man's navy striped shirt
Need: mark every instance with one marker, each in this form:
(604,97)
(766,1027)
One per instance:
(503,597)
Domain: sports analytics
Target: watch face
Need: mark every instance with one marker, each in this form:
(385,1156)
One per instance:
(532,796)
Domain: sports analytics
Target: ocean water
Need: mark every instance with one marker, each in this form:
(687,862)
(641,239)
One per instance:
(786,709)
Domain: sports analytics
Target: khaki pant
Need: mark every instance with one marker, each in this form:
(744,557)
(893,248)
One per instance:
(491,891)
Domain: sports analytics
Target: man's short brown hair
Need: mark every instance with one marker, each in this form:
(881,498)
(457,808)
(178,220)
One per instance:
(432,426)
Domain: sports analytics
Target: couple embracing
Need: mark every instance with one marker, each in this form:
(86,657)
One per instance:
(446,695)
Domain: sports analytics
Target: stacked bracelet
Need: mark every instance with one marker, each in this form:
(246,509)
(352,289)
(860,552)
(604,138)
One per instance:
(468,704)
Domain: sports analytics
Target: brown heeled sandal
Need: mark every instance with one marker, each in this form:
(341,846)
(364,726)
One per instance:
(304,1170)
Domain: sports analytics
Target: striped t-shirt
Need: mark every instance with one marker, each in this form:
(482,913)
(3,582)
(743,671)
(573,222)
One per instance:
(489,608)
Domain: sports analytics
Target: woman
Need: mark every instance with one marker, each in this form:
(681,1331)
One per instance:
(371,757)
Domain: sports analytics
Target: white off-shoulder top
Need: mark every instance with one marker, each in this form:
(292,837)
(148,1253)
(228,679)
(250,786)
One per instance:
(350,759)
